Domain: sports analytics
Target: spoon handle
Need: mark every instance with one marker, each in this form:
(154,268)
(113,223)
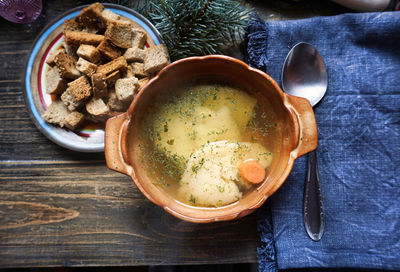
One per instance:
(313,213)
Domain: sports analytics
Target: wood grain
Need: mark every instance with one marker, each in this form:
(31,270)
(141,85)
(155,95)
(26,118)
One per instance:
(77,212)
(63,208)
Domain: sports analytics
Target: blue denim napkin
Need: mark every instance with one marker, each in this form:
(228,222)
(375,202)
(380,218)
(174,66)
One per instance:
(359,144)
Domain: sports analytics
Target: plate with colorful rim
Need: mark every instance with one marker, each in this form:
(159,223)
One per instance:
(89,137)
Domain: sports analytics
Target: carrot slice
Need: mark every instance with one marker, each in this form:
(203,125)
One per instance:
(252,171)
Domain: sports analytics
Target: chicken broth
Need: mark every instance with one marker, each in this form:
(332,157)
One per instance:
(194,141)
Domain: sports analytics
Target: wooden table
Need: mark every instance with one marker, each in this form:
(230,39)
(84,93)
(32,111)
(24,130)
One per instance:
(63,208)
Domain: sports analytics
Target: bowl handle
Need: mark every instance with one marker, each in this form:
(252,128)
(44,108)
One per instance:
(112,144)
(308,132)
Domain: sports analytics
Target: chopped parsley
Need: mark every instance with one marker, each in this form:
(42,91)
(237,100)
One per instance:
(170,141)
(196,168)
(192,199)
(221,189)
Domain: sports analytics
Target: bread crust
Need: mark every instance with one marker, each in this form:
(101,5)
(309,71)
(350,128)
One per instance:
(66,66)
(109,50)
(86,67)
(155,59)
(91,17)
(116,64)
(134,55)
(138,69)
(80,88)
(112,78)
(74,120)
(77,38)
(89,52)
(125,88)
(54,83)
(119,33)
(99,85)
(56,113)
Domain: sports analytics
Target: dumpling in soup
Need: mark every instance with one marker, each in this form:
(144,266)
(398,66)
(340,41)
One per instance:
(212,178)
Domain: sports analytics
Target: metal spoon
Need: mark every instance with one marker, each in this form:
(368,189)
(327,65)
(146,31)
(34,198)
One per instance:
(304,74)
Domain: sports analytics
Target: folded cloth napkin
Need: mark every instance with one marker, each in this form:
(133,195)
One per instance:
(359,144)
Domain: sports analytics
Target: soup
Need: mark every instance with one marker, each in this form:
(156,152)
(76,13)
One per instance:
(196,139)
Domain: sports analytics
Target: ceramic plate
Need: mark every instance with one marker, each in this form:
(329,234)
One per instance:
(90,137)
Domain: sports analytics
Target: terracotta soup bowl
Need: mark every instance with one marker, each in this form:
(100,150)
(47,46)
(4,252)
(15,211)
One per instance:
(293,116)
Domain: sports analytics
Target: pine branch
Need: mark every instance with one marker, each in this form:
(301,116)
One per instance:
(195,27)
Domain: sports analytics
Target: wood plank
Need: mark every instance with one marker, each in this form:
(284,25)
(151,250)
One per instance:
(77,212)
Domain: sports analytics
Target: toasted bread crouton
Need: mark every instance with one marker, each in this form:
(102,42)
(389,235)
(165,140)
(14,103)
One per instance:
(128,72)
(91,17)
(69,100)
(86,67)
(156,58)
(134,54)
(77,38)
(97,109)
(74,120)
(112,78)
(109,50)
(139,38)
(66,66)
(69,49)
(80,88)
(51,57)
(116,64)
(71,25)
(115,104)
(89,52)
(99,85)
(125,88)
(96,7)
(138,69)
(119,33)
(54,83)
(109,16)
(142,82)
(56,113)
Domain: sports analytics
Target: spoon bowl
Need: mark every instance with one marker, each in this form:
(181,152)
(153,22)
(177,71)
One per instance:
(304,73)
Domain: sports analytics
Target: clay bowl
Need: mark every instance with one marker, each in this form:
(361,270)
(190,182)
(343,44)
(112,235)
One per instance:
(295,117)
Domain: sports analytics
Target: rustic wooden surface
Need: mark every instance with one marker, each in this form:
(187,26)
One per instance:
(63,208)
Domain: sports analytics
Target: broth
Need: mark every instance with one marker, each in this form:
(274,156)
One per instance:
(194,138)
